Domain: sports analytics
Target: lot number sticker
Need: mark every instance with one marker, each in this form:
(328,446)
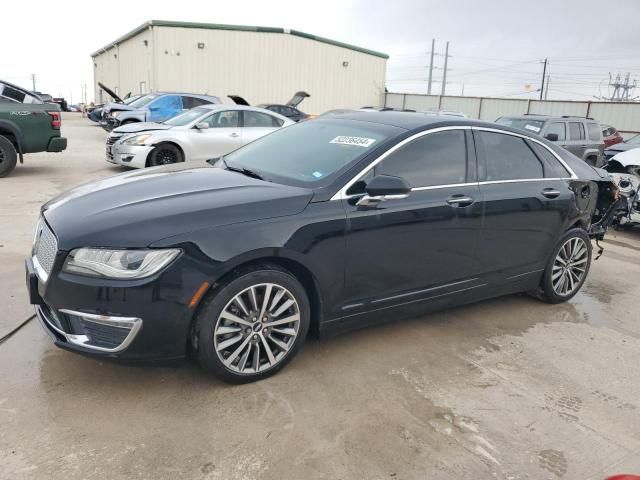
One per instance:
(358,141)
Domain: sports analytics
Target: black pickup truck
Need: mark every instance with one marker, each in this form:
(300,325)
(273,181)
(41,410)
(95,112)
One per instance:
(27,125)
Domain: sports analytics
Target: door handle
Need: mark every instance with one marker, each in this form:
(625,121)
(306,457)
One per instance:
(460,201)
(234,135)
(550,193)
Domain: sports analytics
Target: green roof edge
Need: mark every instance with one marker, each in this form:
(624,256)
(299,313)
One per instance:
(241,28)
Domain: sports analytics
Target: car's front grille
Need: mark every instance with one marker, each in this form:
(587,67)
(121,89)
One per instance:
(45,248)
(113,138)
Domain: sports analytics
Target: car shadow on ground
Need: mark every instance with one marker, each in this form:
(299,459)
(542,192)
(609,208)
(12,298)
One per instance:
(468,327)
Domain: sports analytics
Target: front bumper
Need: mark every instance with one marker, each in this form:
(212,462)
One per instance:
(143,320)
(57,144)
(128,155)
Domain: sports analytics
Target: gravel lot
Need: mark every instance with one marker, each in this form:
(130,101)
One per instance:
(509,389)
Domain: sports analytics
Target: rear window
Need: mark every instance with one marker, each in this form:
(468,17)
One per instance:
(311,153)
(527,124)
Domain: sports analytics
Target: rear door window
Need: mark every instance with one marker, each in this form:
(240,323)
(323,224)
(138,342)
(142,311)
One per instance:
(559,129)
(259,119)
(576,131)
(507,157)
(594,132)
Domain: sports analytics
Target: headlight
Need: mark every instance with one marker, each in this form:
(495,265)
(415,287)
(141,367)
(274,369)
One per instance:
(119,264)
(115,114)
(137,139)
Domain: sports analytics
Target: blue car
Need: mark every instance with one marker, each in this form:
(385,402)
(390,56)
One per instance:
(154,107)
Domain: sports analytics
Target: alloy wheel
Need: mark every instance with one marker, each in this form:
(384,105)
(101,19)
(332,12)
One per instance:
(570,266)
(257,328)
(165,157)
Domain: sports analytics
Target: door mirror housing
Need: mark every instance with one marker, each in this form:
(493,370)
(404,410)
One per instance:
(552,137)
(202,126)
(384,187)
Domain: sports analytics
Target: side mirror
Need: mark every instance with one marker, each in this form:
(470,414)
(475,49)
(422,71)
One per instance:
(384,187)
(202,126)
(553,137)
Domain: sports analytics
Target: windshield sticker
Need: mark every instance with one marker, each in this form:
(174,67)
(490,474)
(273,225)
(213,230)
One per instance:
(532,128)
(358,141)
(317,174)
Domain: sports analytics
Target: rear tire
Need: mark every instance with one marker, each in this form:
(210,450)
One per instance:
(236,332)
(165,154)
(8,156)
(567,268)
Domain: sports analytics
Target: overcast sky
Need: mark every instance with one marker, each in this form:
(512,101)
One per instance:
(496,46)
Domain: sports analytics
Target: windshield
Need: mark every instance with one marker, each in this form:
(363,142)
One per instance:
(186,117)
(634,140)
(521,123)
(128,101)
(311,153)
(142,101)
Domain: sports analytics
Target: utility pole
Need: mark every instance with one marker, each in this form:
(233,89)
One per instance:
(433,47)
(444,73)
(544,72)
(546,92)
(33,81)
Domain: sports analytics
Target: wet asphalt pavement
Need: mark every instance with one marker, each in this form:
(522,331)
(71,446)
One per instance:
(509,388)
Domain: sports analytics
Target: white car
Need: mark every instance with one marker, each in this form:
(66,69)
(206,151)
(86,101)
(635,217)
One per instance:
(204,132)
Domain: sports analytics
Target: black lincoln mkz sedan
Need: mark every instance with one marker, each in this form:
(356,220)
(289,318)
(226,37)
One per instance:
(324,226)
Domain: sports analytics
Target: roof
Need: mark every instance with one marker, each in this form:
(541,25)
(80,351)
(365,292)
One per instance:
(240,28)
(409,120)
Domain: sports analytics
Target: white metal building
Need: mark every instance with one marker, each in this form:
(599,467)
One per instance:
(261,64)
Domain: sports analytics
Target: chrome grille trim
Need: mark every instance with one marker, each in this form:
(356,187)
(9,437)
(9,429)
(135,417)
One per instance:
(111,139)
(44,251)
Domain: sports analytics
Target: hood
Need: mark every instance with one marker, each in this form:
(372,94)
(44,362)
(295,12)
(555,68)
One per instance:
(628,158)
(110,92)
(135,209)
(117,106)
(621,147)
(141,127)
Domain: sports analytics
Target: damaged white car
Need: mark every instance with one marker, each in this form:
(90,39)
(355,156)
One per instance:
(624,170)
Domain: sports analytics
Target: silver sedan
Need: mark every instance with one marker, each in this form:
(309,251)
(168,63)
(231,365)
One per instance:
(202,133)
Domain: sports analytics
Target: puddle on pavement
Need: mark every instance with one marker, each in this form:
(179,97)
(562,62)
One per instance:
(592,303)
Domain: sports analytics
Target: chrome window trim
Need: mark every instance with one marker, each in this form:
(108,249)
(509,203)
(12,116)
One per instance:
(342,193)
(526,137)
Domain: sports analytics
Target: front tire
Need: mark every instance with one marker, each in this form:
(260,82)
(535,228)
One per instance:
(8,156)
(165,154)
(567,268)
(252,325)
